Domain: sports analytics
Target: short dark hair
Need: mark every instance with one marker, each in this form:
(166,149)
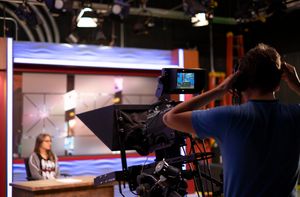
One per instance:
(260,69)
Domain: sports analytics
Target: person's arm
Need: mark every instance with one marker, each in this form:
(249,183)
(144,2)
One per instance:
(290,76)
(180,117)
(34,167)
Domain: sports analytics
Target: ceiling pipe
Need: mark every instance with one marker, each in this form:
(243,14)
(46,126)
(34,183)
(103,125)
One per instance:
(22,23)
(15,23)
(40,34)
(159,13)
(46,10)
(35,2)
(37,27)
(43,22)
(292,4)
(53,23)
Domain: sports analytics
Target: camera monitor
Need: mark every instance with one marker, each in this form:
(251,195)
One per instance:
(181,81)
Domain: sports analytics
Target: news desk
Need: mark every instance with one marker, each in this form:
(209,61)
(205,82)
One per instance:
(66,187)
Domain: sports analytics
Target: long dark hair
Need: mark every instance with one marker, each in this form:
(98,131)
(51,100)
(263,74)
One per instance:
(39,140)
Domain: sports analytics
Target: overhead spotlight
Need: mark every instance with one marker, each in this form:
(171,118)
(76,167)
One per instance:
(59,4)
(63,5)
(199,20)
(87,18)
(120,9)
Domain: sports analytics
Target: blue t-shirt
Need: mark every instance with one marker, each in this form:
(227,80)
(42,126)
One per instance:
(260,146)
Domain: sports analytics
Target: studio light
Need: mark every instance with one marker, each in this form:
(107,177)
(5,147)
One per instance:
(62,5)
(116,9)
(87,18)
(199,20)
(120,9)
(59,4)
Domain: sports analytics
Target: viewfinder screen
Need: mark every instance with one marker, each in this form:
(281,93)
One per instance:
(185,80)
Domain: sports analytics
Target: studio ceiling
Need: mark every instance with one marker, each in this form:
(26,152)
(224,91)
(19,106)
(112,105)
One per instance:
(168,21)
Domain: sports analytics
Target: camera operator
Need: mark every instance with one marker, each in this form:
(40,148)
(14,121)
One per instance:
(259,139)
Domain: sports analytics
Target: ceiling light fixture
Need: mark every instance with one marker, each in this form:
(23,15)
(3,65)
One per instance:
(199,20)
(60,5)
(87,18)
(120,9)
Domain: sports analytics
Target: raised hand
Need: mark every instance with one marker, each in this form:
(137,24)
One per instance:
(290,76)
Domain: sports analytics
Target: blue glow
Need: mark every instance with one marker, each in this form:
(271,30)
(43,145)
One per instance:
(181,58)
(181,65)
(94,56)
(93,167)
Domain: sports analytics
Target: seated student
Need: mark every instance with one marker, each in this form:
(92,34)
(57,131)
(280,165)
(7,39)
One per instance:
(43,163)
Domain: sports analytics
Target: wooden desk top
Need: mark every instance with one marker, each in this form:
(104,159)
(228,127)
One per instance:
(61,183)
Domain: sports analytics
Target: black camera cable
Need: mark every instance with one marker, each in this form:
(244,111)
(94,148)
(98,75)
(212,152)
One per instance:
(194,178)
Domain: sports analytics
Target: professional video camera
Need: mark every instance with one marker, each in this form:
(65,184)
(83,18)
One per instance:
(140,128)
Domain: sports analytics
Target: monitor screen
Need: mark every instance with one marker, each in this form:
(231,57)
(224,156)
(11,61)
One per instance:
(185,80)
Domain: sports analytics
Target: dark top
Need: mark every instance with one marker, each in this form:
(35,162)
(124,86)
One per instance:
(41,168)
